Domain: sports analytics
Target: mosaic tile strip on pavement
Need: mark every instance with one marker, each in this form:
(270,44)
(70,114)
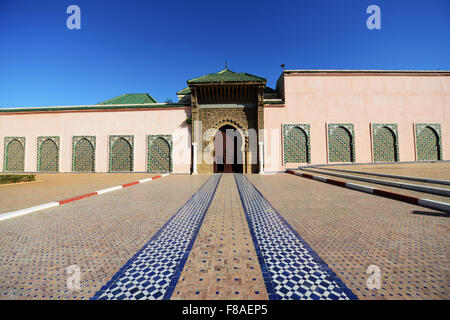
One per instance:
(291,269)
(223,264)
(154,271)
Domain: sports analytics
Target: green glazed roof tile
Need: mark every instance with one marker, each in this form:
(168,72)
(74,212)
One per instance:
(131,98)
(226,76)
(184,91)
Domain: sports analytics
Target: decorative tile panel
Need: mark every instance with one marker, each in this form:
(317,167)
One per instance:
(160,150)
(296,143)
(341,142)
(290,268)
(428,141)
(14,155)
(385,142)
(121,150)
(48,153)
(83,153)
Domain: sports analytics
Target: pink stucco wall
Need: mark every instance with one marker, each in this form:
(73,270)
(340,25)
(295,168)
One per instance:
(100,124)
(321,98)
(315,98)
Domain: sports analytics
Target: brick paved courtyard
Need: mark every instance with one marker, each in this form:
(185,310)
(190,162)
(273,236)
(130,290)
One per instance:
(339,233)
(58,186)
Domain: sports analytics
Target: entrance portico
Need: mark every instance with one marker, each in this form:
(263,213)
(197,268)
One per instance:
(221,99)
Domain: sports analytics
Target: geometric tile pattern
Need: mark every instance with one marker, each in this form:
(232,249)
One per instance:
(153,272)
(291,269)
(341,142)
(428,141)
(14,156)
(48,154)
(121,153)
(223,264)
(159,153)
(385,142)
(83,153)
(296,143)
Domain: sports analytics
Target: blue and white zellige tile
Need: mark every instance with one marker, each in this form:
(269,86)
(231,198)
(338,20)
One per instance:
(154,271)
(291,269)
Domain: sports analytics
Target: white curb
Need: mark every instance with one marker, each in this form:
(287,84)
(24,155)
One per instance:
(22,212)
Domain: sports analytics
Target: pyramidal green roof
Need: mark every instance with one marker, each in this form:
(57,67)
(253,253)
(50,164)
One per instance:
(131,98)
(225,76)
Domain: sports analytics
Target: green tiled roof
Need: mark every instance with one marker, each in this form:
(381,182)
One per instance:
(131,98)
(226,76)
(184,91)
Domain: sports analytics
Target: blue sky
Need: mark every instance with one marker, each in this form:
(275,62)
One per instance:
(138,46)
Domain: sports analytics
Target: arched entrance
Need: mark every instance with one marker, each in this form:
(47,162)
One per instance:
(228,152)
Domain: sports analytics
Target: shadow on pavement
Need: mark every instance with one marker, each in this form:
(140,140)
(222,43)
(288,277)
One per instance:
(432,214)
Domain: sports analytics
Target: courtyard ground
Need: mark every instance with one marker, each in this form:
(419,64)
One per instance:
(98,234)
(351,230)
(340,232)
(58,186)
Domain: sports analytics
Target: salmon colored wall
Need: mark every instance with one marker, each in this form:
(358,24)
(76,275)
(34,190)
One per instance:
(311,98)
(361,99)
(100,124)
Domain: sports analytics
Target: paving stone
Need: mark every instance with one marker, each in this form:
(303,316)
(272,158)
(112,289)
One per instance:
(223,262)
(153,272)
(98,234)
(351,230)
(348,230)
(291,269)
(50,187)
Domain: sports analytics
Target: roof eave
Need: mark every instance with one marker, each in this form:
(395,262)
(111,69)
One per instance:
(447,72)
(94,107)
